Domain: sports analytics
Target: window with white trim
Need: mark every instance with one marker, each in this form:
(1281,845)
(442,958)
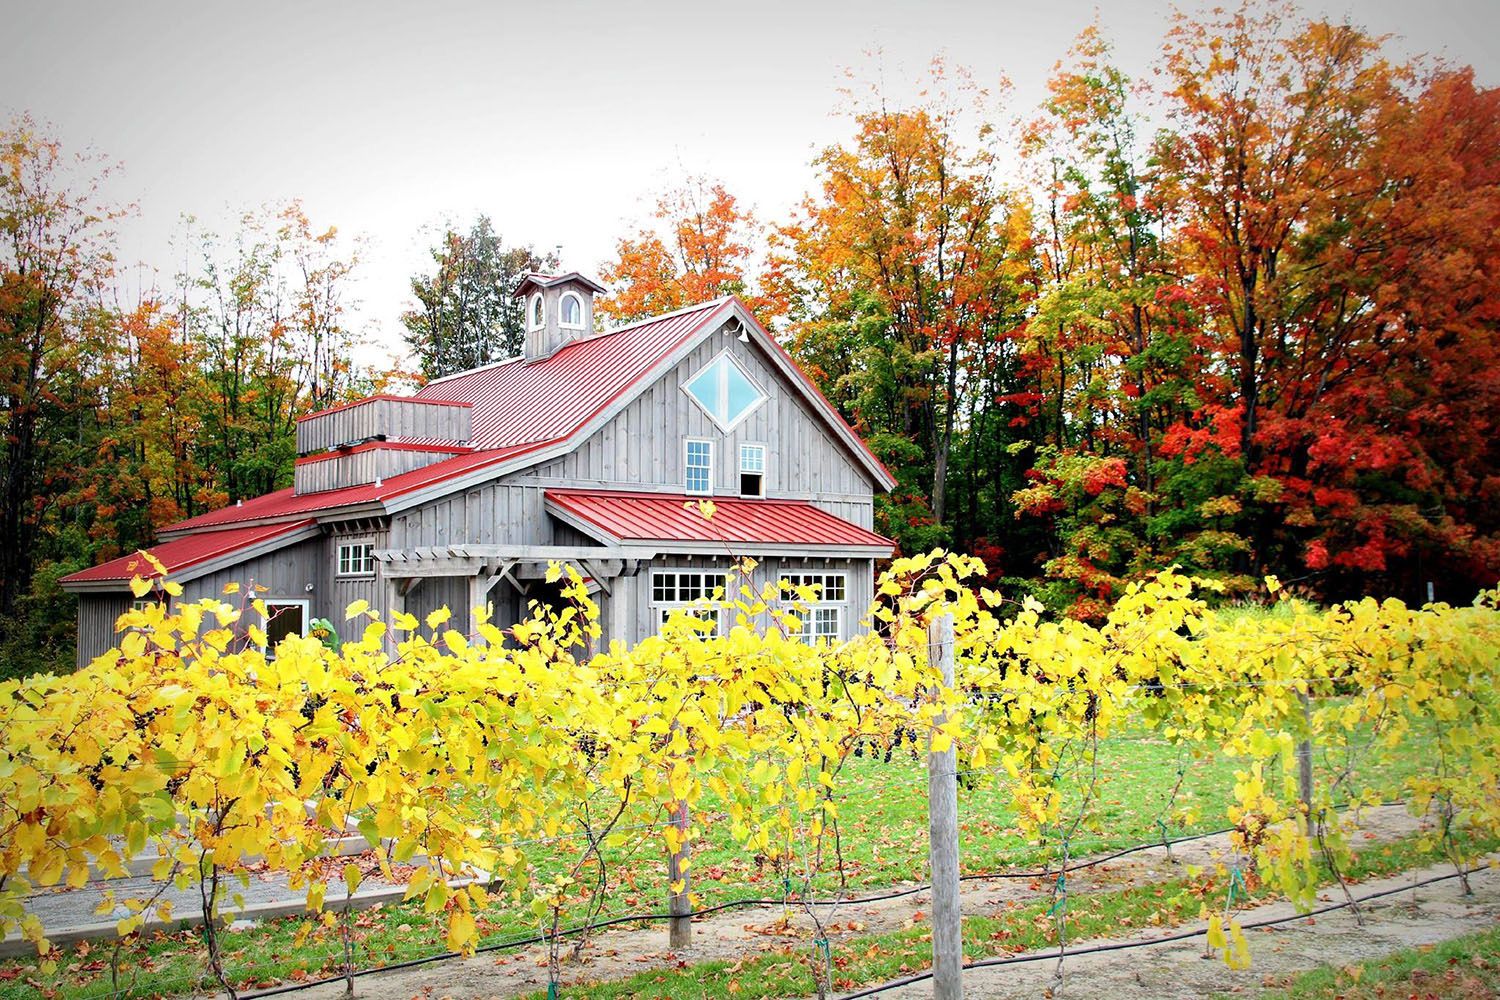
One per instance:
(538,312)
(356,559)
(752,470)
(698,464)
(686,590)
(831,586)
(823,617)
(725,392)
(570,311)
(284,617)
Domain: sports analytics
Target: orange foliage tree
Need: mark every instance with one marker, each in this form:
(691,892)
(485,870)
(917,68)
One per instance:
(698,248)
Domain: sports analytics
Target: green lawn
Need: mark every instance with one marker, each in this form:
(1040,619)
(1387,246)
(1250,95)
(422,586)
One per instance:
(883,839)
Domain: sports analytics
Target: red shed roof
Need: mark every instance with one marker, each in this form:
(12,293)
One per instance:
(620,516)
(184,553)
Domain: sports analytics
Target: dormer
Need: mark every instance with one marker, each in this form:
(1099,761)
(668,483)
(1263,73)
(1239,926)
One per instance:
(559,309)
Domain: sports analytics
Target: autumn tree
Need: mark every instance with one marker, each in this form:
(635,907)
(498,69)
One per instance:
(55,256)
(696,248)
(905,259)
(464,316)
(265,306)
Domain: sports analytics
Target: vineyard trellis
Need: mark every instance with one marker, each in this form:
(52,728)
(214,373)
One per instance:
(458,752)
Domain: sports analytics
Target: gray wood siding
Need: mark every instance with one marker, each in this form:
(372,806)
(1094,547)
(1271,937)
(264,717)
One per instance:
(97,614)
(395,418)
(343,591)
(284,573)
(451,592)
(643,446)
(496,513)
(360,467)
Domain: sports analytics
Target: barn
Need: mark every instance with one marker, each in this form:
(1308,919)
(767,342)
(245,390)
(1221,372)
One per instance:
(588,449)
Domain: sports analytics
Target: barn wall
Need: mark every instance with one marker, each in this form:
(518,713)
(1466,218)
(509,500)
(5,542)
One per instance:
(96,623)
(643,446)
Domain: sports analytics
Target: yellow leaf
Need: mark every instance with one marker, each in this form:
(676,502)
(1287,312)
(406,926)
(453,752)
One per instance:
(139,586)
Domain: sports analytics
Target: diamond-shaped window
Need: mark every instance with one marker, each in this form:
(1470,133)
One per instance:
(725,392)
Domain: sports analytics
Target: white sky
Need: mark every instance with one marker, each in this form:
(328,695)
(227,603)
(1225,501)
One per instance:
(557,119)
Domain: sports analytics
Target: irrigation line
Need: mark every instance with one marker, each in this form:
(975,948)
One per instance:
(990,963)
(730,904)
(645,917)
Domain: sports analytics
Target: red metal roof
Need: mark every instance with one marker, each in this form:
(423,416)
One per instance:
(374,398)
(517,407)
(286,503)
(516,402)
(184,553)
(448,448)
(675,517)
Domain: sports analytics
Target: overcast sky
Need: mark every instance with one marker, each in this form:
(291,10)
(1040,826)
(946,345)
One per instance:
(559,120)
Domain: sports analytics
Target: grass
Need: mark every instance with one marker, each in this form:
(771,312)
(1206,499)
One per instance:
(884,843)
(1024,927)
(1465,968)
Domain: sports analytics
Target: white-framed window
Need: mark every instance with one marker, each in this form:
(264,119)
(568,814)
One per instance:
(142,603)
(698,466)
(675,590)
(570,311)
(284,617)
(356,559)
(537,312)
(752,470)
(831,586)
(823,617)
(725,392)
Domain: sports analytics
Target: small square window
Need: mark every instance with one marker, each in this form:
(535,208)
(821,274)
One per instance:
(752,470)
(356,559)
(700,461)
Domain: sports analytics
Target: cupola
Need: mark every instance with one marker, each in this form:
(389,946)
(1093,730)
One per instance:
(559,309)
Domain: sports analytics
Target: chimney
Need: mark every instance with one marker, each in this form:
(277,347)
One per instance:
(558,309)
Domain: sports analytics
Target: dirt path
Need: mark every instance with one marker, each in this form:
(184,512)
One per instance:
(738,933)
(1178,971)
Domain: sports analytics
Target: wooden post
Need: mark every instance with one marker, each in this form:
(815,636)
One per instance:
(942,828)
(678,903)
(1305,761)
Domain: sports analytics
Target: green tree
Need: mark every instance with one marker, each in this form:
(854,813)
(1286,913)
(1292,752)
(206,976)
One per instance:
(464,315)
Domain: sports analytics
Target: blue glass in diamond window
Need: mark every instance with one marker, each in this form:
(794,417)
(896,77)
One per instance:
(725,391)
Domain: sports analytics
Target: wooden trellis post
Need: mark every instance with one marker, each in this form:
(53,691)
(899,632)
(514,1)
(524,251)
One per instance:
(942,828)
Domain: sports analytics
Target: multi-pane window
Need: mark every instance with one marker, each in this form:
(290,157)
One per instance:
(700,465)
(752,470)
(356,559)
(674,590)
(725,392)
(823,617)
(833,586)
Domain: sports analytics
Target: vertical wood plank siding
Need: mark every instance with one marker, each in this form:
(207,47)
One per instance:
(360,467)
(643,445)
(285,574)
(406,419)
(97,614)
